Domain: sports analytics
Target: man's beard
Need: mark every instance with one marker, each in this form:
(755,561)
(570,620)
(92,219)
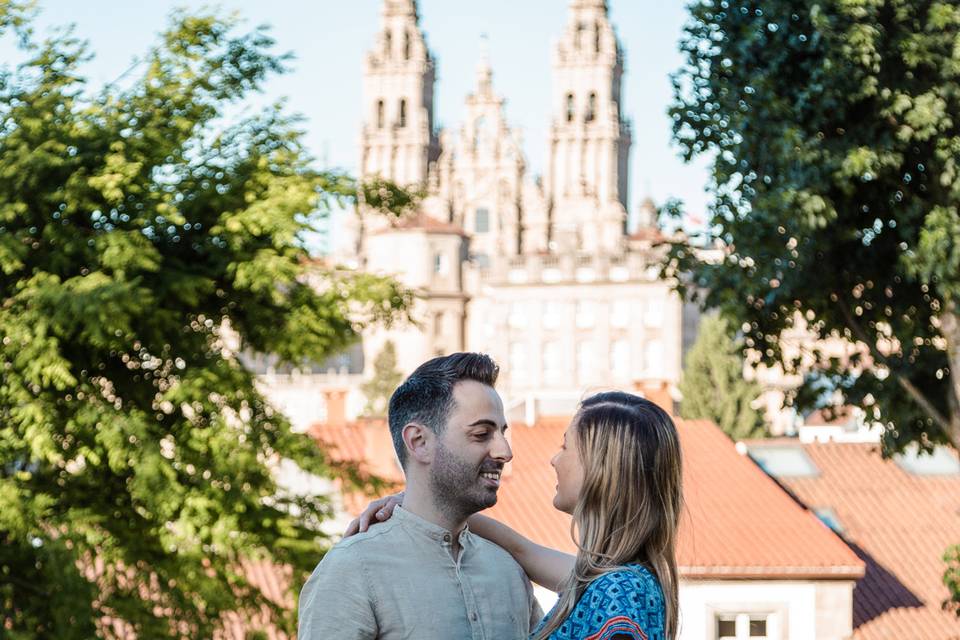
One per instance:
(456,485)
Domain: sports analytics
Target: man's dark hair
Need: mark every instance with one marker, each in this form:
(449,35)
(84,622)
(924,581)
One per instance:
(426,397)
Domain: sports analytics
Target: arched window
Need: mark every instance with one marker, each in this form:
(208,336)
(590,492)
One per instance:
(580,29)
(387,44)
(402,119)
(591,108)
(570,109)
(379,114)
(596,37)
(406,45)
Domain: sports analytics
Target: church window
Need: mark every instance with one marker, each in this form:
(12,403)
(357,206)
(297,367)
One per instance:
(581,27)
(585,314)
(552,362)
(402,120)
(406,45)
(440,264)
(620,359)
(379,114)
(570,107)
(482,221)
(387,44)
(596,37)
(591,107)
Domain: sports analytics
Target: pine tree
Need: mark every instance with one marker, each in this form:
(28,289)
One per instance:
(386,378)
(713,385)
(136,225)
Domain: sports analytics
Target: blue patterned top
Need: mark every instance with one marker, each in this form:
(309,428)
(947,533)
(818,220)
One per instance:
(622,604)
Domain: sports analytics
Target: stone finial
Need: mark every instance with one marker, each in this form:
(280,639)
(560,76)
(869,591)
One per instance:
(484,71)
(400,7)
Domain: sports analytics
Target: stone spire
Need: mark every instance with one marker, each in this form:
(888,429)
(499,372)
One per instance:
(586,175)
(484,71)
(398,140)
(401,8)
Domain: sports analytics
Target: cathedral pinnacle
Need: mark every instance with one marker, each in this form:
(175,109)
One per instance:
(400,8)
(589,4)
(484,71)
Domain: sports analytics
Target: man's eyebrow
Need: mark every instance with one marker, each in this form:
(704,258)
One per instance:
(485,422)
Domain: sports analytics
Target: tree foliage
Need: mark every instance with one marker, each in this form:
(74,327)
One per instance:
(140,234)
(835,145)
(386,378)
(713,385)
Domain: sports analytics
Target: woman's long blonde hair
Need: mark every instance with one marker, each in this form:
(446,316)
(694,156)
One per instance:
(629,506)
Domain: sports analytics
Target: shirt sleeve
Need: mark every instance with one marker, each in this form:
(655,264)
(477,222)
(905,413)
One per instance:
(337,602)
(536,611)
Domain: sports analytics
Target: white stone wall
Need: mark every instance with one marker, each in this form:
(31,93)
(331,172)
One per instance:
(793,610)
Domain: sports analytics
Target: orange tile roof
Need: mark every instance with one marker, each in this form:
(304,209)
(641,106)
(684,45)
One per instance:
(738,522)
(900,524)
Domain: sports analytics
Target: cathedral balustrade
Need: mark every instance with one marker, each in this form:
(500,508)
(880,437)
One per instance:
(571,268)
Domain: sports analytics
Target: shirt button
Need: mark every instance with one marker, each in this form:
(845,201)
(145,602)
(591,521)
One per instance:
(446,537)
(473,616)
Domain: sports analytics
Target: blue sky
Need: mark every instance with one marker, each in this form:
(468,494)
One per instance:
(329,37)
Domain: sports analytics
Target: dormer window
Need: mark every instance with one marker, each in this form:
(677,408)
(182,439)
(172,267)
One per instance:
(402,118)
(570,107)
(591,108)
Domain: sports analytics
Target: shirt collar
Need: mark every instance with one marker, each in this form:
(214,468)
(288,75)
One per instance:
(431,530)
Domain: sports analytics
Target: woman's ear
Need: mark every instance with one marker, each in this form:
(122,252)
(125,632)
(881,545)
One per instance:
(418,440)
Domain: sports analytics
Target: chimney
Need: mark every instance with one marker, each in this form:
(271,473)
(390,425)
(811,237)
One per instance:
(657,392)
(336,408)
(379,453)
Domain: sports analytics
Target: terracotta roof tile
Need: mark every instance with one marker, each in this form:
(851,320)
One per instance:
(738,522)
(900,524)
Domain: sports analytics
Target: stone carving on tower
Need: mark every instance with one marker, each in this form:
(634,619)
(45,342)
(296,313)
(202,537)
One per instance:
(541,274)
(398,140)
(587,165)
(481,172)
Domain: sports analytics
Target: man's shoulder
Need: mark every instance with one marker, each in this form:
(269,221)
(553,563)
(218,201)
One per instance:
(356,546)
(494,553)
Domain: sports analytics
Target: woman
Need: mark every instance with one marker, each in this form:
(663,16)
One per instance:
(619,476)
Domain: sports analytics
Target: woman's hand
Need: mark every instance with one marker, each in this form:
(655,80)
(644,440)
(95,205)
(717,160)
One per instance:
(379,510)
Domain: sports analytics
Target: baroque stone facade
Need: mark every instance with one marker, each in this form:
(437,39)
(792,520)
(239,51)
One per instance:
(540,272)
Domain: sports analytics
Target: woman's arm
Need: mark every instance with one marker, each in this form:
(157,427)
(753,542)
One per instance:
(545,566)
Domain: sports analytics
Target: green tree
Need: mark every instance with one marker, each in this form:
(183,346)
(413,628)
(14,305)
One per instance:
(713,385)
(386,378)
(833,134)
(140,234)
(835,146)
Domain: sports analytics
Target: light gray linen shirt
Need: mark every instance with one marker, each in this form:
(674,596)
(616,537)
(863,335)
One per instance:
(398,581)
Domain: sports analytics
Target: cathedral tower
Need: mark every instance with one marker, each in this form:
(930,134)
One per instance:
(589,144)
(398,140)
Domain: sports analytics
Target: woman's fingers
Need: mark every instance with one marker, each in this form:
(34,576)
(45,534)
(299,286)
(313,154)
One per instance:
(379,510)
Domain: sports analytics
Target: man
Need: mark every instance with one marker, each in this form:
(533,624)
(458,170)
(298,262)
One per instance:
(423,574)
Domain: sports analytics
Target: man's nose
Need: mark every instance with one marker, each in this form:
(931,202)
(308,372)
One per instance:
(501,449)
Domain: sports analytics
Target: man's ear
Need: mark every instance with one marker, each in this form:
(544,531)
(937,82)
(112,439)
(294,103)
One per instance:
(419,442)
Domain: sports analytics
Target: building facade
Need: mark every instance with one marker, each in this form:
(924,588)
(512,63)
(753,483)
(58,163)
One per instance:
(540,272)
